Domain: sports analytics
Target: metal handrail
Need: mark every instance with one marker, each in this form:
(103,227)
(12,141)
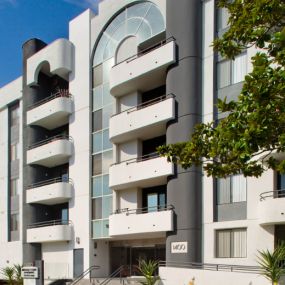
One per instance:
(113,275)
(146,104)
(83,274)
(146,50)
(139,159)
(49,223)
(158,208)
(55,138)
(61,93)
(49,181)
(274,194)
(212,266)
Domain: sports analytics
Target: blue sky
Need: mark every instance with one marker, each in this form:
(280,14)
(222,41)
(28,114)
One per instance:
(21,20)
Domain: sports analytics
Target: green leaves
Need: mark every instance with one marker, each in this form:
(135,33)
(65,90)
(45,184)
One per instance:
(271,263)
(148,269)
(254,125)
(12,274)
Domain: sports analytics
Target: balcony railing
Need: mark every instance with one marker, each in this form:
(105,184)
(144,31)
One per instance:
(144,210)
(147,50)
(49,181)
(52,139)
(212,266)
(61,93)
(50,223)
(138,159)
(272,194)
(146,104)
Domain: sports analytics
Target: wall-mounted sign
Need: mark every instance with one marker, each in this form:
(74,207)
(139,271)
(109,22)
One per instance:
(30,272)
(179,247)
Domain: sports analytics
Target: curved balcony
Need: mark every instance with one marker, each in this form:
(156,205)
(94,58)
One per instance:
(50,192)
(143,120)
(271,207)
(51,152)
(145,171)
(143,71)
(141,222)
(59,55)
(49,231)
(51,112)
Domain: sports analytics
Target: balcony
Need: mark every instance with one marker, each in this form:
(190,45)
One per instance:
(51,152)
(271,207)
(52,112)
(50,231)
(144,71)
(143,120)
(59,55)
(49,192)
(146,171)
(143,221)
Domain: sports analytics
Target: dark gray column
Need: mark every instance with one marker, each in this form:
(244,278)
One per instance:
(31,251)
(184,23)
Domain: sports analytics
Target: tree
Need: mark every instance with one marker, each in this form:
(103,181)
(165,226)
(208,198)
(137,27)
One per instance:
(148,270)
(18,274)
(8,274)
(272,263)
(244,141)
(12,274)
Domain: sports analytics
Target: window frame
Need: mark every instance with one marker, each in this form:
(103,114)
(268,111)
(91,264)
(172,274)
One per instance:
(231,191)
(231,69)
(231,242)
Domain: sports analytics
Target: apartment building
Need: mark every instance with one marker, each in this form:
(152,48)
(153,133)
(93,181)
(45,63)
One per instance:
(81,183)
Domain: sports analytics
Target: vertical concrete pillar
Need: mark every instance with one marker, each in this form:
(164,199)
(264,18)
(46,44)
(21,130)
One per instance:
(184,23)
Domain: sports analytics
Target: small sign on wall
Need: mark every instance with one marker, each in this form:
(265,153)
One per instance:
(30,272)
(179,247)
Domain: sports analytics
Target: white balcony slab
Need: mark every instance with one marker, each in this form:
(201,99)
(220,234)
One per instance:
(148,223)
(52,114)
(54,233)
(51,194)
(59,55)
(145,173)
(142,123)
(50,154)
(271,211)
(142,73)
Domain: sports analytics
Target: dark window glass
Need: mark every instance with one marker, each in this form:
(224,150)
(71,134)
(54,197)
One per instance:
(97,208)
(97,75)
(97,164)
(97,120)
(15,115)
(15,187)
(14,222)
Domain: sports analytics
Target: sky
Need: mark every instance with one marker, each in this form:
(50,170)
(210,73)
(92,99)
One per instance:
(21,20)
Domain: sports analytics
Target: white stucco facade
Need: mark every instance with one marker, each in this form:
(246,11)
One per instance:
(98,194)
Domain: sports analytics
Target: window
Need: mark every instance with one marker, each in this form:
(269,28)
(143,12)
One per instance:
(15,115)
(154,198)
(231,243)
(231,189)
(15,151)
(14,190)
(14,222)
(232,71)
(223,18)
(97,120)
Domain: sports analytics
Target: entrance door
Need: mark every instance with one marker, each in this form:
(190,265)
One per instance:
(78,255)
(130,256)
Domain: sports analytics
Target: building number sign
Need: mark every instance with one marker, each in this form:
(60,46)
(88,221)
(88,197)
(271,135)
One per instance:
(179,247)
